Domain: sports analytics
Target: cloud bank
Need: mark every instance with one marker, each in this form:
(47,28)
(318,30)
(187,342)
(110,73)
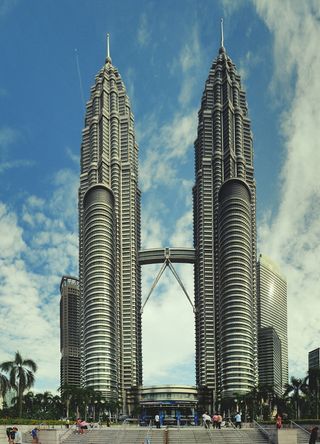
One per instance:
(38,244)
(292,235)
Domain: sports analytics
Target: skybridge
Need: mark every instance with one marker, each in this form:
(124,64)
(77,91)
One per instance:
(167,257)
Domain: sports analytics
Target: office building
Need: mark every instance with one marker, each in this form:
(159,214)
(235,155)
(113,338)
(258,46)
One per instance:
(272,310)
(314,359)
(269,359)
(69,332)
(109,240)
(224,198)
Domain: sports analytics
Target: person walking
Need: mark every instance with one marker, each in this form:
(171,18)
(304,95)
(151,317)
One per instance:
(279,422)
(219,421)
(215,421)
(17,436)
(237,419)
(314,435)
(35,435)
(157,421)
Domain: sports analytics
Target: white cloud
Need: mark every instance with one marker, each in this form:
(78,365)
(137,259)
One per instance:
(168,320)
(246,64)
(74,157)
(292,236)
(168,325)
(11,242)
(4,166)
(7,136)
(32,262)
(167,147)
(143,33)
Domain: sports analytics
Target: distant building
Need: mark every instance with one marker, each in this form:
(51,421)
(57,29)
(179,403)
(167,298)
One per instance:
(69,332)
(314,359)
(272,323)
(269,358)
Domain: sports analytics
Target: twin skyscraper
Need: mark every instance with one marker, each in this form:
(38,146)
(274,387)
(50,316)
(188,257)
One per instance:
(224,252)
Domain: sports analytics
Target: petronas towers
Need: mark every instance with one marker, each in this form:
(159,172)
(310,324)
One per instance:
(109,231)
(225,236)
(224,253)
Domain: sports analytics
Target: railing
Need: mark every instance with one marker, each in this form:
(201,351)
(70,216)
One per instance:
(122,431)
(263,431)
(209,433)
(147,439)
(294,425)
(67,433)
(179,431)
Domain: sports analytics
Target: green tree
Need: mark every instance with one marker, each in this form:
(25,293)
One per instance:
(4,385)
(21,376)
(296,390)
(69,396)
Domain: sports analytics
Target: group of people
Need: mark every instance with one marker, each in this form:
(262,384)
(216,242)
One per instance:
(81,425)
(15,437)
(215,420)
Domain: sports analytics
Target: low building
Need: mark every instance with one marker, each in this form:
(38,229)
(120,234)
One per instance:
(173,403)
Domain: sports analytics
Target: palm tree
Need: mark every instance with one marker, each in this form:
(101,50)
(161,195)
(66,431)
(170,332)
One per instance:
(70,396)
(29,401)
(4,385)
(296,390)
(21,375)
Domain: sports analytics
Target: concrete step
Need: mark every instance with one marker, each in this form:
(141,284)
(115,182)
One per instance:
(176,436)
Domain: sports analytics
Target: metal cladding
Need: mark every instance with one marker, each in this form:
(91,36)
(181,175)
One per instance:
(99,291)
(225,237)
(109,241)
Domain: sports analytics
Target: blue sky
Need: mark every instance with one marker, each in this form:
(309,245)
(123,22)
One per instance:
(163,51)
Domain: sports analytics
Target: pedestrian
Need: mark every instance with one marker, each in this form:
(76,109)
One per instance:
(314,435)
(157,421)
(237,419)
(10,434)
(219,421)
(206,420)
(215,421)
(17,436)
(78,422)
(35,435)
(279,422)
(83,426)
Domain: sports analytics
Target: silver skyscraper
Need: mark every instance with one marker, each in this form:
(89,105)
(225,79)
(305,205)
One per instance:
(225,237)
(109,229)
(272,312)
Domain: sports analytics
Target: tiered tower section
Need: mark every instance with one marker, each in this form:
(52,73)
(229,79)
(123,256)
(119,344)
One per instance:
(225,237)
(109,229)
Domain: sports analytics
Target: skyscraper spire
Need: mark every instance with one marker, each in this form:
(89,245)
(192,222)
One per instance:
(108,59)
(221,28)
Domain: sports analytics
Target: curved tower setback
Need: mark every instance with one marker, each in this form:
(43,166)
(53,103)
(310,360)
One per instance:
(225,237)
(109,240)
